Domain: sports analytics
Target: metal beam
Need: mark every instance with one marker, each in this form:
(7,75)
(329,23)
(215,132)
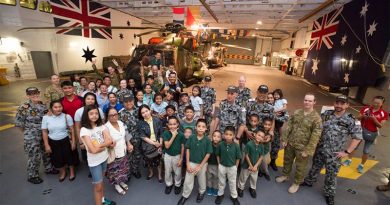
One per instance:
(207,7)
(316,10)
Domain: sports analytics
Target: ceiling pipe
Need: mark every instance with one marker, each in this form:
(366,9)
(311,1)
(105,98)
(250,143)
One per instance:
(207,7)
(316,10)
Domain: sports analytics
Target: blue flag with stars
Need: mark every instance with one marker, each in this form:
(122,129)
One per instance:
(348,45)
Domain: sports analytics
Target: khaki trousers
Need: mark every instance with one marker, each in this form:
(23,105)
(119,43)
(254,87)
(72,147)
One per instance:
(189,180)
(212,176)
(245,173)
(170,163)
(231,174)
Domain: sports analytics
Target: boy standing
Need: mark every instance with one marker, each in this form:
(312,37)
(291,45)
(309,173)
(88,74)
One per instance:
(228,156)
(189,120)
(250,166)
(198,150)
(212,168)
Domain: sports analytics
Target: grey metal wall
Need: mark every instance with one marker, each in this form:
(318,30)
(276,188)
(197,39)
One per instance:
(243,42)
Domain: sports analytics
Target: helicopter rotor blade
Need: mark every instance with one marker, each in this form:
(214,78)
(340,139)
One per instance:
(148,32)
(88,27)
(234,46)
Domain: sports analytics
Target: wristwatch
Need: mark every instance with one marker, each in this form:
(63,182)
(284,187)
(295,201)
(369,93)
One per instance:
(346,151)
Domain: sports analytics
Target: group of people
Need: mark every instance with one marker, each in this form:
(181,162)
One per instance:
(184,135)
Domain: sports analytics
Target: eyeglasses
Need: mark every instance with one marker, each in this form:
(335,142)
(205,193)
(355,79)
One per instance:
(113,115)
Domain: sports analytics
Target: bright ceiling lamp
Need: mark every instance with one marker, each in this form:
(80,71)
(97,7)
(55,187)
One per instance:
(259,22)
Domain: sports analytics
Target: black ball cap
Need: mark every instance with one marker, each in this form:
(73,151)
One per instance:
(32,90)
(263,89)
(207,78)
(342,98)
(232,89)
(128,98)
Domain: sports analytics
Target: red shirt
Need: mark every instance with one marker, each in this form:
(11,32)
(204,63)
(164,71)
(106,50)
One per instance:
(70,107)
(369,124)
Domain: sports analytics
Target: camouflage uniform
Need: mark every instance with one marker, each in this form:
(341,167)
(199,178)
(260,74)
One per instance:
(123,92)
(230,114)
(275,144)
(209,97)
(130,119)
(29,117)
(180,111)
(115,78)
(52,93)
(243,96)
(172,102)
(336,131)
(263,110)
(302,134)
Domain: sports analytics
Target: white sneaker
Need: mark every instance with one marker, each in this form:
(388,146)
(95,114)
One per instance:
(281,179)
(293,188)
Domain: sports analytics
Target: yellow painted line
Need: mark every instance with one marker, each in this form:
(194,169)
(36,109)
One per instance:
(8,109)
(5,103)
(349,172)
(7,126)
(11,115)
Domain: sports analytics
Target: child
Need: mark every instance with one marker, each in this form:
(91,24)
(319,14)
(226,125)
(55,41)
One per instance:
(184,102)
(139,99)
(280,108)
(251,129)
(209,97)
(158,107)
(212,167)
(171,69)
(169,98)
(187,135)
(189,120)
(228,156)
(267,125)
(198,150)
(250,167)
(170,111)
(174,150)
(96,138)
(148,96)
(197,102)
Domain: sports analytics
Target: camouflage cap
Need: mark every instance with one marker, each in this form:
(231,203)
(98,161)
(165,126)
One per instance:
(207,78)
(232,89)
(128,98)
(32,90)
(342,98)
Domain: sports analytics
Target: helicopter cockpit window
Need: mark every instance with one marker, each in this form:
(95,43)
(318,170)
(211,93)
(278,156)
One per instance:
(29,4)
(8,2)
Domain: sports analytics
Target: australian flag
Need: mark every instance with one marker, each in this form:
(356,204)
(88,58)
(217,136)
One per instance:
(75,13)
(348,45)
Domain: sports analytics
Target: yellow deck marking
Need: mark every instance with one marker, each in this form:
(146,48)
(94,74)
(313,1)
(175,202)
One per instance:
(7,126)
(11,115)
(5,103)
(8,109)
(345,172)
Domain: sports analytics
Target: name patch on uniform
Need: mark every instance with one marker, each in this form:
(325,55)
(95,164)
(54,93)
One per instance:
(343,124)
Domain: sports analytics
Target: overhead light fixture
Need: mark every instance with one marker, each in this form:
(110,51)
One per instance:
(259,22)
(257,28)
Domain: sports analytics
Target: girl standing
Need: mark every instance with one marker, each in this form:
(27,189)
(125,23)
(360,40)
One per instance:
(197,102)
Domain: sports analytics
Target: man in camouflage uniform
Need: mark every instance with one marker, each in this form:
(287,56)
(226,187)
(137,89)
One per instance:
(29,119)
(338,125)
(208,96)
(275,143)
(129,116)
(229,114)
(112,72)
(260,107)
(300,140)
(54,91)
(243,93)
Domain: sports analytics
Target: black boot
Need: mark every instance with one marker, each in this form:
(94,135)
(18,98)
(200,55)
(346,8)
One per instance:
(329,200)
(182,201)
(272,164)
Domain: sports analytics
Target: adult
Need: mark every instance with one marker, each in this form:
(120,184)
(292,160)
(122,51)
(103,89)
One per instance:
(132,86)
(156,60)
(54,91)
(118,171)
(300,140)
(208,95)
(29,120)
(110,87)
(83,84)
(97,139)
(71,103)
(123,91)
(112,102)
(150,130)
(337,126)
(115,74)
(102,97)
(243,93)
(372,118)
(229,114)
(59,139)
(260,107)
(173,85)
(129,116)
(91,88)
(156,73)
